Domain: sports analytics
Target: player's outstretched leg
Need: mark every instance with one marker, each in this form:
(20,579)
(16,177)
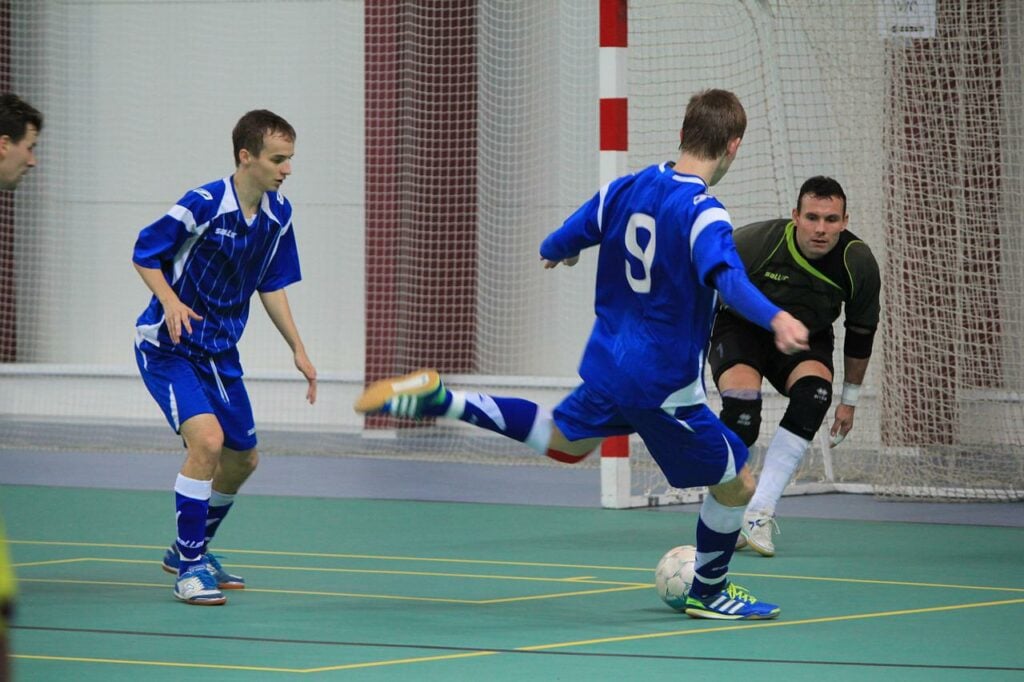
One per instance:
(423,394)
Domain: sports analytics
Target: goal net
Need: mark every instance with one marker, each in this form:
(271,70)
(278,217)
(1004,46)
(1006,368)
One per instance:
(438,143)
(914,107)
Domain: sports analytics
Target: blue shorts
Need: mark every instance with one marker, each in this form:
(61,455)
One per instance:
(692,446)
(184,389)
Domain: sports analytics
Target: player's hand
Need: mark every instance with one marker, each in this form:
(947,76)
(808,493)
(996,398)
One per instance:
(568,262)
(176,316)
(303,364)
(790,333)
(842,425)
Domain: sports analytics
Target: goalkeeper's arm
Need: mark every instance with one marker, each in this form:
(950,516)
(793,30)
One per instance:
(856,355)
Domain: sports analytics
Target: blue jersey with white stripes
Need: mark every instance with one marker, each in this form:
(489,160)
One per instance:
(662,239)
(214,261)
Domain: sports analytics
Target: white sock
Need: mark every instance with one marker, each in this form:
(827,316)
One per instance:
(540,432)
(194,488)
(780,462)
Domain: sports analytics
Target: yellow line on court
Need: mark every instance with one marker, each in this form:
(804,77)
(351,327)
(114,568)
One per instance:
(51,562)
(746,625)
(506,600)
(66,543)
(161,664)
(252,668)
(72,581)
(494,562)
(390,597)
(398,661)
(332,555)
(353,595)
(865,581)
(538,647)
(589,580)
(315,593)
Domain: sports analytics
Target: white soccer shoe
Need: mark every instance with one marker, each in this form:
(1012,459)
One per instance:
(757,532)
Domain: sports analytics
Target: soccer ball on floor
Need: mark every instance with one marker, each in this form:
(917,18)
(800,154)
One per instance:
(674,575)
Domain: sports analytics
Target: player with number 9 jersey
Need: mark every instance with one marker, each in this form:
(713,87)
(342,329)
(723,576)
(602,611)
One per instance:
(653,312)
(666,253)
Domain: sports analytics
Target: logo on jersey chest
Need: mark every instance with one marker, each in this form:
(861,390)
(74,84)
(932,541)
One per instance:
(776,276)
(225,232)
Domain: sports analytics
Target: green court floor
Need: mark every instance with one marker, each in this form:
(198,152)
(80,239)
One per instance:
(343,589)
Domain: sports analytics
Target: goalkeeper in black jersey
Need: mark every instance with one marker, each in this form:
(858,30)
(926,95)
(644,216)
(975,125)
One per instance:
(812,267)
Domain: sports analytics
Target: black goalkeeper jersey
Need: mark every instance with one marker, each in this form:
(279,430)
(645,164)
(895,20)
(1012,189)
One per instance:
(813,291)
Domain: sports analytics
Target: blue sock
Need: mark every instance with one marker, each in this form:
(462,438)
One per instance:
(717,529)
(437,403)
(192,502)
(512,417)
(220,505)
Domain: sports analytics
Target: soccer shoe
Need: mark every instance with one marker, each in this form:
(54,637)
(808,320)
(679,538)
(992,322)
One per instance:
(732,603)
(225,580)
(404,396)
(757,531)
(741,541)
(198,586)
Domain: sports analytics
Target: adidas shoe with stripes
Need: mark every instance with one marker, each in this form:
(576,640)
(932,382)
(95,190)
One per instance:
(732,603)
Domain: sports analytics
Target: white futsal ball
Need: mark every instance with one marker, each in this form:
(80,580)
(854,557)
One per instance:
(674,575)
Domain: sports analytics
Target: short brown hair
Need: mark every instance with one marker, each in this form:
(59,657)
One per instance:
(713,118)
(250,129)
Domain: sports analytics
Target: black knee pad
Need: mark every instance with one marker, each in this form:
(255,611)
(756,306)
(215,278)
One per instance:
(743,416)
(809,400)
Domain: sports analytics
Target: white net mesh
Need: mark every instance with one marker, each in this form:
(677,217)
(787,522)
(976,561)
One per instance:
(925,135)
(439,142)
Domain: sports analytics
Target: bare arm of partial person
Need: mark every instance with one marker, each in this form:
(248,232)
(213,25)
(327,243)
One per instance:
(276,304)
(176,314)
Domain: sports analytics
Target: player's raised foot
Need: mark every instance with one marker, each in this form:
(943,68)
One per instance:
(732,603)
(225,580)
(757,531)
(198,586)
(414,395)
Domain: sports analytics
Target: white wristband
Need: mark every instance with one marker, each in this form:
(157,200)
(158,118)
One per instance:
(850,394)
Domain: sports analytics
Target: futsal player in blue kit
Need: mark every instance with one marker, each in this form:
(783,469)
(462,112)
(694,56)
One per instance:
(666,249)
(203,260)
